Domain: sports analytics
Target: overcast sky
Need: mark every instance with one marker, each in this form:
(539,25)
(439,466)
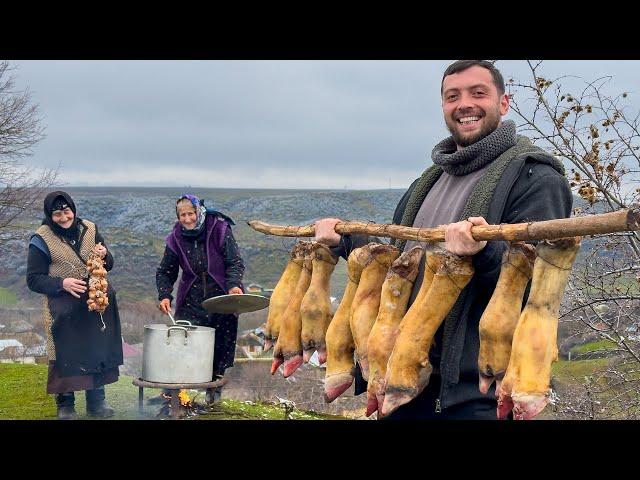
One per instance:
(271,124)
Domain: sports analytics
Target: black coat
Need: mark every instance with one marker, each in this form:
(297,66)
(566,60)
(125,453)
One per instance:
(530,189)
(81,347)
(204,287)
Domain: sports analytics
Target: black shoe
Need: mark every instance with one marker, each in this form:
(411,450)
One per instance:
(213,395)
(67,413)
(100,410)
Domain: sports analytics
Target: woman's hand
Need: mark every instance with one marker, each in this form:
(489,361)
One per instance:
(74,286)
(165,305)
(100,250)
(235,291)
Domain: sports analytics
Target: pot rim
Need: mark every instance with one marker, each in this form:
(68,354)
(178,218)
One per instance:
(192,329)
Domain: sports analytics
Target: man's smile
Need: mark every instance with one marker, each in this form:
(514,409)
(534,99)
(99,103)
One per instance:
(469,120)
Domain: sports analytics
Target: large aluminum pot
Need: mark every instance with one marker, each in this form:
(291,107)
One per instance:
(177,354)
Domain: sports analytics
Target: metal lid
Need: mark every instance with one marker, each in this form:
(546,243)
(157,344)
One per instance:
(244,303)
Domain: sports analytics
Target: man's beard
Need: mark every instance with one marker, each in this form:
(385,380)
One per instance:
(489,126)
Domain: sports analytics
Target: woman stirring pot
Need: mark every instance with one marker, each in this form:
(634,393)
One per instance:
(202,245)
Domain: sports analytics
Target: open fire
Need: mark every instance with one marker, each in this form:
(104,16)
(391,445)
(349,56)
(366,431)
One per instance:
(184,398)
(185,406)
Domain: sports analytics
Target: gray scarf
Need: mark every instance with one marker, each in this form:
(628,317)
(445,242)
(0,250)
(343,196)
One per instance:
(477,155)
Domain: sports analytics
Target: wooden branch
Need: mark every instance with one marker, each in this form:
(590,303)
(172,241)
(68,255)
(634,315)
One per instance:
(622,220)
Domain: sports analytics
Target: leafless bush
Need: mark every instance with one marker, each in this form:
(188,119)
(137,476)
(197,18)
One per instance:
(599,137)
(21,186)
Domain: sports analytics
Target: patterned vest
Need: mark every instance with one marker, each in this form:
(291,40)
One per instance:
(65,263)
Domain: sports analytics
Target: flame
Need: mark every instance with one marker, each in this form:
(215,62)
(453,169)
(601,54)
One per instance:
(184,398)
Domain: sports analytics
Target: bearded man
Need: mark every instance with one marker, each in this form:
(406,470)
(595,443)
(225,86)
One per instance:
(484,173)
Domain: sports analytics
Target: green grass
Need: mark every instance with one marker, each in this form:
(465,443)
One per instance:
(594,347)
(233,409)
(7,297)
(567,372)
(618,400)
(22,393)
(23,397)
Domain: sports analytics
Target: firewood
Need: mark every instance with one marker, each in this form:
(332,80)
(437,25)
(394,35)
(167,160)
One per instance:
(620,221)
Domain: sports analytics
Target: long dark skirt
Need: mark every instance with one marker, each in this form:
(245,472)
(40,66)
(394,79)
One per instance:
(225,342)
(83,345)
(58,384)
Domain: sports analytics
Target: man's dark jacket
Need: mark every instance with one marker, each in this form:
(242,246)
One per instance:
(529,187)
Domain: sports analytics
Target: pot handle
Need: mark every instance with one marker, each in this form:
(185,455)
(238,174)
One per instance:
(186,333)
(184,322)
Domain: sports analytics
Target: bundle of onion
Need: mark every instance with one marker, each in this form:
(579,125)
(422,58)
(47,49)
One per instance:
(98,300)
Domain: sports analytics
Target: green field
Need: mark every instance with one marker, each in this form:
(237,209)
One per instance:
(23,397)
(568,372)
(7,297)
(600,346)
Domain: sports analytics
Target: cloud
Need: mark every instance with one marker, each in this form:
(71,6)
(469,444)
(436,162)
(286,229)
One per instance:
(317,124)
(241,177)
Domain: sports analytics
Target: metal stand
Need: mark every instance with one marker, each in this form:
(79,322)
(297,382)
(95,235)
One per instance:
(174,389)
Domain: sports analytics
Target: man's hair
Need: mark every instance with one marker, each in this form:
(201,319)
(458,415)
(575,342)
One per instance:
(462,65)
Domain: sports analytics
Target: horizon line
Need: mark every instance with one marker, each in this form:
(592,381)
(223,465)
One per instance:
(228,188)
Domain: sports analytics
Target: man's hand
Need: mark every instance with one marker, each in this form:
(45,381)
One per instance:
(458,237)
(74,286)
(235,291)
(325,232)
(165,305)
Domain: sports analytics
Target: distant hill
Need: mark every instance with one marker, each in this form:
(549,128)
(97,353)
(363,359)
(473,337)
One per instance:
(134,222)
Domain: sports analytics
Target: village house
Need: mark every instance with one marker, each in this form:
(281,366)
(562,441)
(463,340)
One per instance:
(257,289)
(249,345)
(23,347)
(12,351)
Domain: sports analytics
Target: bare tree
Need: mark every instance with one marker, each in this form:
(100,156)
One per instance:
(599,138)
(21,186)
